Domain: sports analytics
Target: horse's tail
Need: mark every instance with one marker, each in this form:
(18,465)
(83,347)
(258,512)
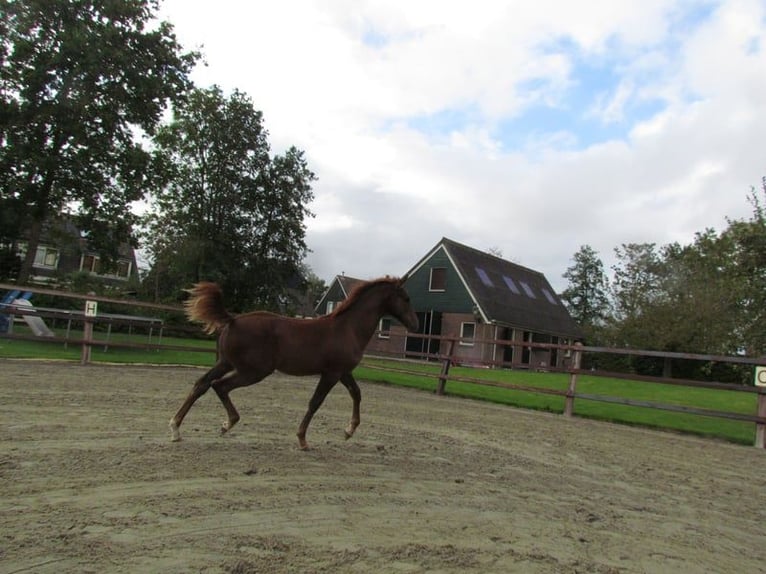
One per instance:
(206,306)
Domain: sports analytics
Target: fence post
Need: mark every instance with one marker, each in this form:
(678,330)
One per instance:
(576,358)
(87,330)
(445,368)
(760,428)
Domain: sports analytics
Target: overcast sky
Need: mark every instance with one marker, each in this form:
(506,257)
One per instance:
(531,128)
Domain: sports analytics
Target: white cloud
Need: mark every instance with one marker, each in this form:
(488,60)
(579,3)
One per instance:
(351,81)
(610,108)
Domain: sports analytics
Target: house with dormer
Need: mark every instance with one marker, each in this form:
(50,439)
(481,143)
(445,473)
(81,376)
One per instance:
(474,296)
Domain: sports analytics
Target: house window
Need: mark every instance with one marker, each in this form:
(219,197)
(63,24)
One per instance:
(511,285)
(123,268)
(438,279)
(47,257)
(92,264)
(384,328)
(550,297)
(528,290)
(484,277)
(330,306)
(467,334)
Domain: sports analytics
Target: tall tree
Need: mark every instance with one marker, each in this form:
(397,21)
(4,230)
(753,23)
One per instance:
(636,288)
(228,211)
(749,272)
(78,78)
(587,295)
(636,280)
(697,310)
(678,298)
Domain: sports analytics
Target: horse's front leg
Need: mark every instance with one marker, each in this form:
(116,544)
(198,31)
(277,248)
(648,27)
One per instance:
(356,396)
(326,383)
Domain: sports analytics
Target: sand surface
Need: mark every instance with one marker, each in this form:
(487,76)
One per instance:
(91,483)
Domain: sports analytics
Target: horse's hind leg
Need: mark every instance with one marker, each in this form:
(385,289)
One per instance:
(326,383)
(223,387)
(356,396)
(199,389)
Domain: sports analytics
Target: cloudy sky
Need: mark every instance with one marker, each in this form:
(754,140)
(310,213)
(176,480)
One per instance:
(531,128)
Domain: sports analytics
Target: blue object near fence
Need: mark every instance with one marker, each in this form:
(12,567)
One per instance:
(8,299)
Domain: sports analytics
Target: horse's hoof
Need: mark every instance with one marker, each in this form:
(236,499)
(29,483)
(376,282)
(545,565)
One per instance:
(175,436)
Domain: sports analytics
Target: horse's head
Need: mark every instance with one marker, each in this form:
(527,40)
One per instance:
(398,305)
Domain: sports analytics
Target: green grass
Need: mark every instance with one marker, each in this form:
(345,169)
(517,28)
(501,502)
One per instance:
(423,376)
(713,399)
(103,350)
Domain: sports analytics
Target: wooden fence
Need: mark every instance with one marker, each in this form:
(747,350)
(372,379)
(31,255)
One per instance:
(89,316)
(446,359)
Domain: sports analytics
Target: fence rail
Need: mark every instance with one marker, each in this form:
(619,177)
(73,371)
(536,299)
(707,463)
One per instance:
(446,360)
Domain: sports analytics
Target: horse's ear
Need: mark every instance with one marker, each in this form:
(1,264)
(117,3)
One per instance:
(402,281)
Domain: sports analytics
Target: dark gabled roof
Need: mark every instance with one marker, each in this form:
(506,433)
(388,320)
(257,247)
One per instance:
(507,293)
(346,285)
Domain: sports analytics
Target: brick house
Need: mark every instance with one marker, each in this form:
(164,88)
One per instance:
(63,250)
(461,292)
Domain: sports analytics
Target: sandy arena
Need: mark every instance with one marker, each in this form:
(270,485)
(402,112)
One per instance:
(92,483)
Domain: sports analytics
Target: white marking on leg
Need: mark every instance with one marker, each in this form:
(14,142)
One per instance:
(175,436)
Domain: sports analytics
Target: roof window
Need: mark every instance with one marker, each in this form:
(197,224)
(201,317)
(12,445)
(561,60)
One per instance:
(550,297)
(511,285)
(484,277)
(528,290)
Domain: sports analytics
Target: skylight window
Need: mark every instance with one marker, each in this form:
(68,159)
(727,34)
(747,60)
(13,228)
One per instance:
(511,285)
(484,277)
(528,290)
(549,296)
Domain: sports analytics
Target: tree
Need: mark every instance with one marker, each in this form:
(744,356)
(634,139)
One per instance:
(307,295)
(227,211)
(678,298)
(705,297)
(586,296)
(315,287)
(78,79)
(635,289)
(636,280)
(748,270)
(698,310)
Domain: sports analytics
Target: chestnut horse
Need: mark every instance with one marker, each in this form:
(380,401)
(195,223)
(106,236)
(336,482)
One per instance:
(253,345)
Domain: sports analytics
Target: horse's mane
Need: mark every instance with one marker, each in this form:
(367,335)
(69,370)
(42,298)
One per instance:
(360,290)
